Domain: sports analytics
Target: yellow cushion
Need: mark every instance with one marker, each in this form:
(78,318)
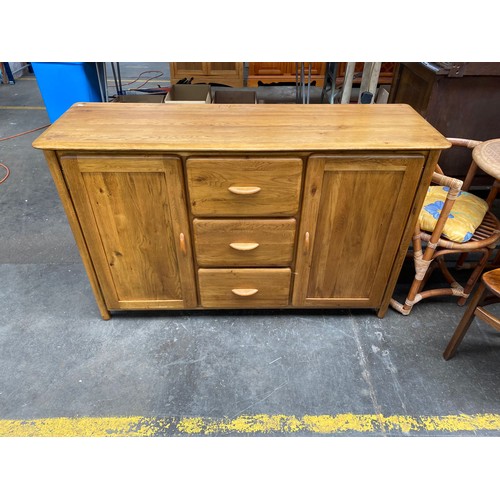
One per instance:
(466,215)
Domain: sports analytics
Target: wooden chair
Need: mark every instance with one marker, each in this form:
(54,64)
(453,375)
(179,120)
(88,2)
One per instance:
(488,292)
(427,259)
(486,157)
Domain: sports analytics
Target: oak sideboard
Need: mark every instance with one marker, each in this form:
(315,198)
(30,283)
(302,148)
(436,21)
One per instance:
(198,206)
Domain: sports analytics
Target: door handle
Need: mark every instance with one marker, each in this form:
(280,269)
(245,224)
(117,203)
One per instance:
(182,241)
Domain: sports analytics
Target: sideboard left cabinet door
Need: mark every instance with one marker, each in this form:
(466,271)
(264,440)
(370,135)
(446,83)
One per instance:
(132,210)
(354,213)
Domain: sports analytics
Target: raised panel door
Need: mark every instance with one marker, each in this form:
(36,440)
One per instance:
(188,69)
(355,210)
(133,215)
(224,68)
(269,68)
(317,68)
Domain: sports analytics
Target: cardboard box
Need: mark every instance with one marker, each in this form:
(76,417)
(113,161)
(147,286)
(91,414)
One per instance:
(189,94)
(140,98)
(235,97)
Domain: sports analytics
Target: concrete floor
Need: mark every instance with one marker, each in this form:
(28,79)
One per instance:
(272,373)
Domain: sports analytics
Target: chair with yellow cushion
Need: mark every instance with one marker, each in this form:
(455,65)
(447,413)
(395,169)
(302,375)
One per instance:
(451,221)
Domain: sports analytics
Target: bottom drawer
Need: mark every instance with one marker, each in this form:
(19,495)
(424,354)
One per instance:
(243,288)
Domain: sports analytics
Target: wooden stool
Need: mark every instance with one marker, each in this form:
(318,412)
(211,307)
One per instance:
(487,158)
(488,292)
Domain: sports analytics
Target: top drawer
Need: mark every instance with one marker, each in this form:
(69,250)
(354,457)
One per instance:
(244,186)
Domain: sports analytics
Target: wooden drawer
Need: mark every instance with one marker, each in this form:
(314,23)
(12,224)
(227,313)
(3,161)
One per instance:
(244,242)
(244,288)
(244,186)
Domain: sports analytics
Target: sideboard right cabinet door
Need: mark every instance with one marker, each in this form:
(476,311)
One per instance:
(354,212)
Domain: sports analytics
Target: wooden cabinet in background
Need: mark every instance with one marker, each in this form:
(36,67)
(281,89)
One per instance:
(458,99)
(270,206)
(385,77)
(226,73)
(275,72)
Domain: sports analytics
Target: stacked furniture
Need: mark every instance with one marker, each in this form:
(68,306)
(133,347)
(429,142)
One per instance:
(284,72)
(458,99)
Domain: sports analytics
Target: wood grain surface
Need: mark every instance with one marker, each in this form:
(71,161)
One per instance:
(355,209)
(137,179)
(216,242)
(239,127)
(65,196)
(133,219)
(217,285)
(244,186)
(492,281)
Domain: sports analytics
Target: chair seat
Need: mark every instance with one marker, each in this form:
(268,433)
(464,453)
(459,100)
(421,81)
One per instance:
(491,279)
(486,234)
(488,227)
(465,217)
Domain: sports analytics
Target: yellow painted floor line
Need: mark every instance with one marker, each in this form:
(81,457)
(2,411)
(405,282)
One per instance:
(247,424)
(22,107)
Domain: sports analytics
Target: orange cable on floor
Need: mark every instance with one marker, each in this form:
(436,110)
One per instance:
(23,133)
(7,170)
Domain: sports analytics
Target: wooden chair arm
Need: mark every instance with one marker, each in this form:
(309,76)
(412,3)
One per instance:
(455,185)
(466,143)
(438,169)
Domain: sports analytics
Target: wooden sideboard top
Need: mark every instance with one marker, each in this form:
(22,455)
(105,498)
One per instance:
(239,128)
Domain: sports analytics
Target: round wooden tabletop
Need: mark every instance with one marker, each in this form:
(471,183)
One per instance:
(487,157)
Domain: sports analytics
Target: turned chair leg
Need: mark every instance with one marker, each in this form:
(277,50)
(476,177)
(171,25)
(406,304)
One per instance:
(465,322)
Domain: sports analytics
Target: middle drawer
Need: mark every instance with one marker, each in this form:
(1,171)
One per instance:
(244,242)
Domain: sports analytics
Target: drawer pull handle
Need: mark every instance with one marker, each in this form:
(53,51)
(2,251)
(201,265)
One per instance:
(182,241)
(244,292)
(244,246)
(306,243)
(244,189)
